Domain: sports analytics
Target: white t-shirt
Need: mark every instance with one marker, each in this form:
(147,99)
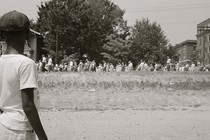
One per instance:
(49,61)
(44,59)
(168,61)
(17,72)
(130,65)
(71,63)
(142,64)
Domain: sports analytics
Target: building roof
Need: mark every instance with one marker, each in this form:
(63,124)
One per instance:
(203,28)
(188,42)
(35,32)
(203,23)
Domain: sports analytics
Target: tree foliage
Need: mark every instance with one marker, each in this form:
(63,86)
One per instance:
(149,42)
(81,25)
(171,52)
(117,47)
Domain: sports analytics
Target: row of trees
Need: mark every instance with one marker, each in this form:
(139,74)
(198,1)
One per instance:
(96,29)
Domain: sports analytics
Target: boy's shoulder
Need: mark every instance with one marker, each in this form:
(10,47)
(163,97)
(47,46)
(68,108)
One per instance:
(23,58)
(26,60)
(18,59)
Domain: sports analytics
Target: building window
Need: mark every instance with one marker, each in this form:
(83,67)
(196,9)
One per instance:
(209,38)
(205,39)
(205,49)
(185,49)
(209,49)
(180,51)
(194,48)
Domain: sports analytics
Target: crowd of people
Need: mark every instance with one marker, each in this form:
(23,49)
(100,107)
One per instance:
(46,65)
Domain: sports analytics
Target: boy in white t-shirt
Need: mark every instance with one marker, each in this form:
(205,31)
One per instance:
(19,119)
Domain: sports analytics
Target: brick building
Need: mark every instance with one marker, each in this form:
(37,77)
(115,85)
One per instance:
(185,50)
(203,41)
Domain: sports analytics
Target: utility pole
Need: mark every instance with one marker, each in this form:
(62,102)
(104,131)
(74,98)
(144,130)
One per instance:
(56,48)
(56,37)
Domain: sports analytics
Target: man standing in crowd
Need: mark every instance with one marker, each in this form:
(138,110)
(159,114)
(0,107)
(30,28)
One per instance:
(44,61)
(71,64)
(19,118)
(130,66)
(50,63)
(168,63)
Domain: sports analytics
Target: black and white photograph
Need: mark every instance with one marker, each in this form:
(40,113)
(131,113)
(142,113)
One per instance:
(104,70)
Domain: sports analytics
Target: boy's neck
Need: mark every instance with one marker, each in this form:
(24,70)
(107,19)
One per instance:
(11,50)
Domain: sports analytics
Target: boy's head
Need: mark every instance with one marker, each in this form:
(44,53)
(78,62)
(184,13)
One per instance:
(14,26)
(14,21)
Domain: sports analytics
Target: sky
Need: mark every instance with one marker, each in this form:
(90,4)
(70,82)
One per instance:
(177,18)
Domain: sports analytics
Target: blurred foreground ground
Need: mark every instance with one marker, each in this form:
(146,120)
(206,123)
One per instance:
(127,124)
(128,106)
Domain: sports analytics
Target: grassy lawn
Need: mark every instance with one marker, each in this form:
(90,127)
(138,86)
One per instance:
(122,106)
(126,90)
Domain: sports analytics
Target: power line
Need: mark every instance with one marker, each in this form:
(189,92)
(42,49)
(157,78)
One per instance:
(168,8)
(172,23)
(174,6)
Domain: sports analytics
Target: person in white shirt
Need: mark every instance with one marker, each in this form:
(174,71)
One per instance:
(130,66)
(50,64)
(177,66)
(168,63)
(80,66)
(44,61)
(71,65)
(142,65)
(19,117)
(192,68)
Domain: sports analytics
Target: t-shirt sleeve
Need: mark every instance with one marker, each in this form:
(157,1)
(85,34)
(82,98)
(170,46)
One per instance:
(28,76)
